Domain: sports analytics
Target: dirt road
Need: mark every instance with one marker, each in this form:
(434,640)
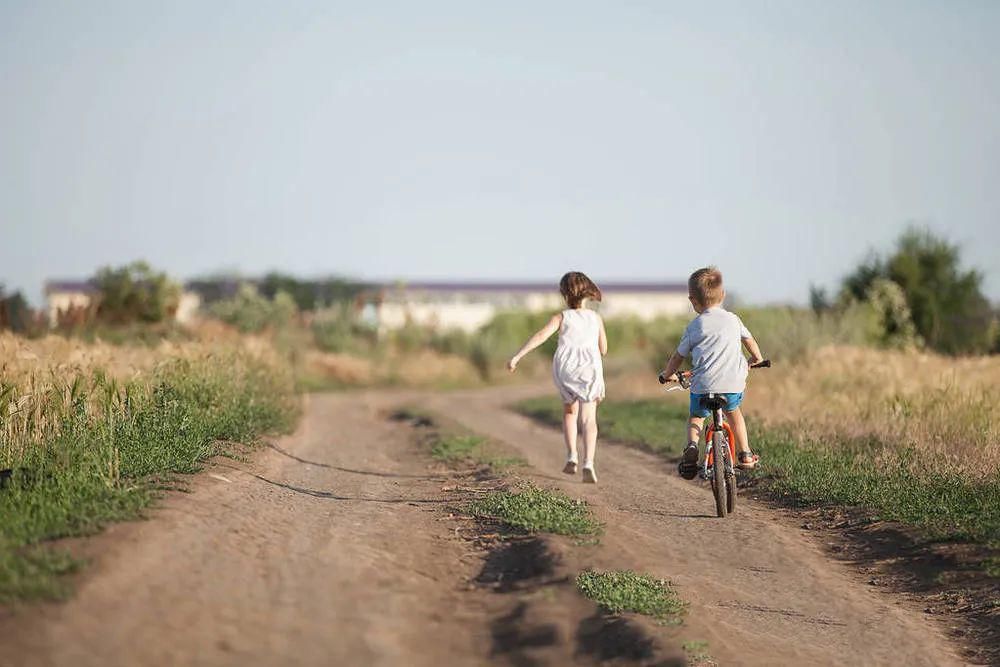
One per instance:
(335,547)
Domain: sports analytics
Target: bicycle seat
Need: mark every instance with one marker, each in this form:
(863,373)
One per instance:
(714,402)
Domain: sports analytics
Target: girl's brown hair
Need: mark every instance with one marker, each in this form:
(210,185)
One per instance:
(576,286)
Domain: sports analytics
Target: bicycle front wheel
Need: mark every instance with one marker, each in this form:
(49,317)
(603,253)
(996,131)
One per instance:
(730,481)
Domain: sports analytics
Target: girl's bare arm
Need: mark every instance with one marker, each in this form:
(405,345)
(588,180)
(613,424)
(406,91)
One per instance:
(602,339)
(751,345)
(537,339)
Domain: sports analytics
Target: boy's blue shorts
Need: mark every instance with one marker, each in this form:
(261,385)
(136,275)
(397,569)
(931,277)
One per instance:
(732,402)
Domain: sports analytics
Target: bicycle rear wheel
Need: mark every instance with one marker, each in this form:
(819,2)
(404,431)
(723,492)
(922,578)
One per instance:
(719,480)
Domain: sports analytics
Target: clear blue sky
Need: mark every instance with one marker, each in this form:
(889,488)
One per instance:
(513,140)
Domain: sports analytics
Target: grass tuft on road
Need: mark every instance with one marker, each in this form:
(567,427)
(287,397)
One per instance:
(453,449)
(538,510)
(697,654)
(621,591)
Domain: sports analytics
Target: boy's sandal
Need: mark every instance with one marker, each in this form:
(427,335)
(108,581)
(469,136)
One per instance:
(746,460)
(570,468)
(688,467)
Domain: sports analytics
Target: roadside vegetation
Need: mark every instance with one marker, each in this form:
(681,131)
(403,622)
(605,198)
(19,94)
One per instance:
(88,437)
(622,591)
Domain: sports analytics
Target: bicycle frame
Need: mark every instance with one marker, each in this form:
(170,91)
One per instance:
(718,424)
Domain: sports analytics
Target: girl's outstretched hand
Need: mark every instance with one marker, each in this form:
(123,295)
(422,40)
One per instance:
(512,364)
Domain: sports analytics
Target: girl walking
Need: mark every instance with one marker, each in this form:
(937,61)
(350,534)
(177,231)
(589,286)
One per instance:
(577,367)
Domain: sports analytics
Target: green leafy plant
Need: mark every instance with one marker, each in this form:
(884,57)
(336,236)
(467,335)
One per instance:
(538,510)
(621,591)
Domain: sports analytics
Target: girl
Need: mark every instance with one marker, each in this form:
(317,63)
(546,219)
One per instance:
(577,367)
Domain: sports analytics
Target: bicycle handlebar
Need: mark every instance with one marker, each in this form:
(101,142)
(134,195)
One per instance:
(681,376)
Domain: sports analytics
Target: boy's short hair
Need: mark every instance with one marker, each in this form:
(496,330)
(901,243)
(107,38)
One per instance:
(705,286)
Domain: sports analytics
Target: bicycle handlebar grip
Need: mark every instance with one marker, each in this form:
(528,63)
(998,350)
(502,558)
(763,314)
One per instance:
(662,379)
(763,364)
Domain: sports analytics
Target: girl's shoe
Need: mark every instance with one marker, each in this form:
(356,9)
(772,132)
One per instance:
(746,460)
(570,468)
(589,476)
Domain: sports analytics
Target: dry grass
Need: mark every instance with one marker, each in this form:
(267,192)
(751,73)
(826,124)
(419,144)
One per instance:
(89,432)
(943,407)
(44,381)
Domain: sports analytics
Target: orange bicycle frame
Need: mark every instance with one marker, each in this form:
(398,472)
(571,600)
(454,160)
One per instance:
(730,439)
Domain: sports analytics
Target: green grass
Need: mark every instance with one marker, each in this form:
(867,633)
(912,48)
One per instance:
(697,653)
(943,506)
(896,488)
(621,591)
(657,425)
(538,510)
(107,455)
(453,449)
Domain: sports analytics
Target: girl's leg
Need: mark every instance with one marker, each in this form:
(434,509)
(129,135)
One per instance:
(588,422)
(570,413)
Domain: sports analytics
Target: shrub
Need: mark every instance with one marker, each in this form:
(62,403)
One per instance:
(948,308)
(338,329)
(249,311)
(791,333)
(894,319)
(310,294)
(135,293)
(501,337)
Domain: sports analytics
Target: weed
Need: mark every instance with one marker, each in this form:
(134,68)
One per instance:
(538,510)
(621,591)
(697,653)
(454,448)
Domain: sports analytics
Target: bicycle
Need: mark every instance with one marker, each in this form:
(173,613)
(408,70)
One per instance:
(718,470)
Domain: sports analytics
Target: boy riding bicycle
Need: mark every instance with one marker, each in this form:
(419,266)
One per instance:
(713,340)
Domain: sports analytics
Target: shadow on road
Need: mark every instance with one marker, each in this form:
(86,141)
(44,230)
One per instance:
(333,496)
(373,473)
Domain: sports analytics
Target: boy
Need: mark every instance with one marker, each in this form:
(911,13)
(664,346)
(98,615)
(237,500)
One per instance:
(713,339)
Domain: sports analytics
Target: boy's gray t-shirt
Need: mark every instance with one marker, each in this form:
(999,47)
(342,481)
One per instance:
(713,339)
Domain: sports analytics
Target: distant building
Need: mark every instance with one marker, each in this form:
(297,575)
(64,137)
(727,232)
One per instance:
(468,306)
(64,296)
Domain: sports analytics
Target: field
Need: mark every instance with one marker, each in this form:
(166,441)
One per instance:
(90,432)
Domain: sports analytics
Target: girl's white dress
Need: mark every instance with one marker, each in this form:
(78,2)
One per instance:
(577,368)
